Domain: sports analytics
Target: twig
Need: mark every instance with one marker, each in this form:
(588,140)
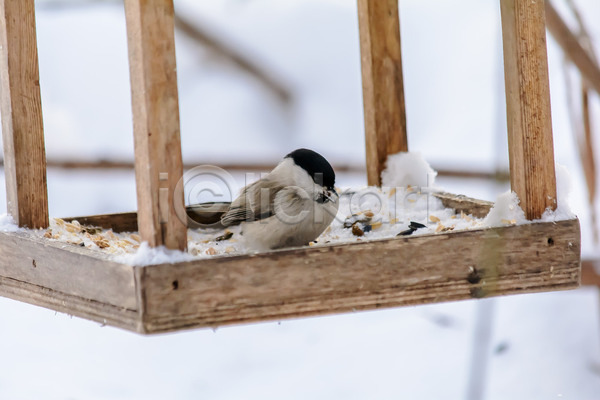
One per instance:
(463,173)
(584,35)
(200,34)
(583,132)
(572,48)
(588,159)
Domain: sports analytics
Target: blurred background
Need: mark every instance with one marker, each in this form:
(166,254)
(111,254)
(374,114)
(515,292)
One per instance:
(257,79)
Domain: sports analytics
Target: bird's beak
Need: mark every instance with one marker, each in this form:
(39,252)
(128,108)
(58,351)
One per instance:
(328,194)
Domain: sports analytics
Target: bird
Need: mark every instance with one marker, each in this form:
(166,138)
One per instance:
(290,206)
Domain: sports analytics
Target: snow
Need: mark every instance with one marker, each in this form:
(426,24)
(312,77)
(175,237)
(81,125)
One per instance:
(364,214)
(146,255)
(383,354)
(404,169)
(375,213)
(393,209)
(412,352)
(379,212)
(506,210)
(564,190)
(367,213)
(7,223)
(455,118)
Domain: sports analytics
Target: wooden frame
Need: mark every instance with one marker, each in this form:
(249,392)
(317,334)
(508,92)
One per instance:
(22,126)
(383,84)
(530,145)
(292,282)
(158,163)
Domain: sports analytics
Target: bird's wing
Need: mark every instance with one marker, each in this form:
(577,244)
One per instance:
(292,204)
(254,203)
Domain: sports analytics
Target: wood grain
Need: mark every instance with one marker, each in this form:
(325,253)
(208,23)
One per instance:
(21,106)
(127,222)
(572,48)
(382,80)
(66,268)
(158,163)
(467,205)
(103,313)
(360,276)
(118,222)
(293,282)
(531,149)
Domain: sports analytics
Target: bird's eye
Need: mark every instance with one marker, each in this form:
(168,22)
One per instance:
(322,198)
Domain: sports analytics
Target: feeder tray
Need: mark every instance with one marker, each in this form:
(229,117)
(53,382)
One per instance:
(292,282)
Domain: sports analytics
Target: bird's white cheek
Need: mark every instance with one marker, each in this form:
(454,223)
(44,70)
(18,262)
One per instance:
(325,212)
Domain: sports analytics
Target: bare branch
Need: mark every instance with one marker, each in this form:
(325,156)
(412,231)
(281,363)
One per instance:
(572,47)
(199,33)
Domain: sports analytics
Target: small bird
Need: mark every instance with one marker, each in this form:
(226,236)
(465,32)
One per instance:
(290,206)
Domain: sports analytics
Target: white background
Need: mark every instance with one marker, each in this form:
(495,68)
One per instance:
(542,346)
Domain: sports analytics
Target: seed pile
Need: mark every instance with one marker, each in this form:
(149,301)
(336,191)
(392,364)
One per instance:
(371,213)
(92,237)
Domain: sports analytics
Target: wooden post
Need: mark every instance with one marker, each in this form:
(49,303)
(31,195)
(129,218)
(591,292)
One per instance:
(22,125)
(158,163)
(531,150)
(383,87)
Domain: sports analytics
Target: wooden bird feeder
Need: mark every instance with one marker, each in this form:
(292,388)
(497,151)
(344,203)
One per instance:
(292,282)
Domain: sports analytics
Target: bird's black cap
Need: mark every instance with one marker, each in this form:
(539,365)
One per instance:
(316,165)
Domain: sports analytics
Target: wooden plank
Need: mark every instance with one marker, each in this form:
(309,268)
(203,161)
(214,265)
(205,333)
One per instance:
(21,106)
(383,85)
(158,163)
(102,313)
(467,205)
(119,222)
(206,213)
(293,282)
(572,48)
(68,269)
(531,150)
(359,276)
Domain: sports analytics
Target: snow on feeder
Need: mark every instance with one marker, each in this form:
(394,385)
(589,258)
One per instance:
(151,281)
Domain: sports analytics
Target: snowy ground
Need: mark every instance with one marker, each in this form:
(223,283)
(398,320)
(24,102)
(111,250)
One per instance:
(540,349)
(541,346)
